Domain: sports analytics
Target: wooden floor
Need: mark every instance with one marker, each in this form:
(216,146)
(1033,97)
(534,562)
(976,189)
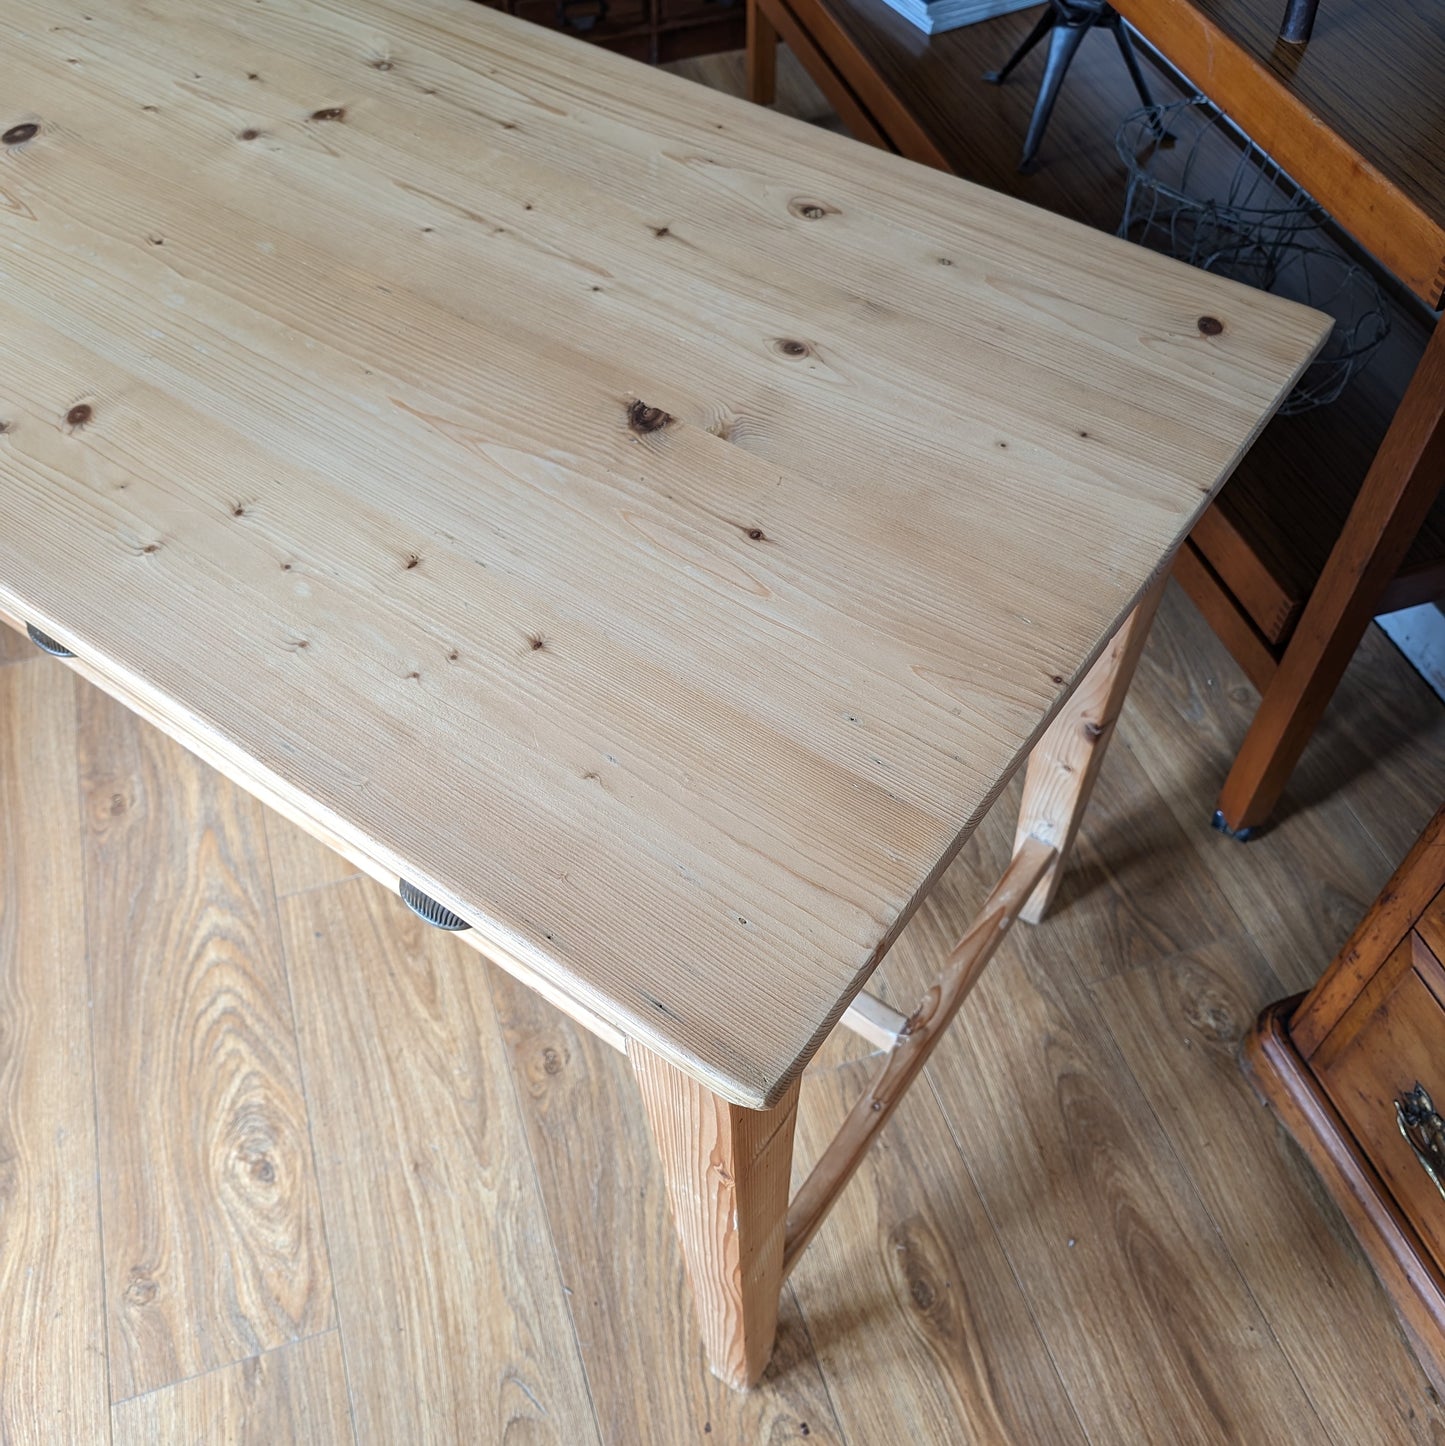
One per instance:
(280,1164)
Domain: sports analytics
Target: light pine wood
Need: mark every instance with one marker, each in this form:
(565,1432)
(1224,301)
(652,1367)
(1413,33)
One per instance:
(294,1395)
(727,1173)
(52,1317)
(1064,765)
(302,864)
(357,501)
(924,1295)
(875,1021)
(193,1033)
(447,1291)
(924,1030)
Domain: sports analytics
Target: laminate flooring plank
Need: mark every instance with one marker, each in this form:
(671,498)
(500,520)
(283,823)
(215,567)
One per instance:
(14,647)
(1384,737)
(299,861)
(214,1247)
(908,1256)
(1152,1326)
(619,1257)
(1301,887)
(294,1395)
(52,1319)
(452,1314)
(1179,1024)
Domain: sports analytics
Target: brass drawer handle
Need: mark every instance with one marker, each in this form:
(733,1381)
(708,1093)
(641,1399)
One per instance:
(1424,1132)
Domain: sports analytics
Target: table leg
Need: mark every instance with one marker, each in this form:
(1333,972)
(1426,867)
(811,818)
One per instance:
(727,1171)
(1066,760)
(1397,494)
(762,56)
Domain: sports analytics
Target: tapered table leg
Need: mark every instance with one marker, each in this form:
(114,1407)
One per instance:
(727,1172)
(1066,760)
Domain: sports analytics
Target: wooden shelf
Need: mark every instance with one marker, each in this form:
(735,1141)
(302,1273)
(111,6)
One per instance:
(1264,544)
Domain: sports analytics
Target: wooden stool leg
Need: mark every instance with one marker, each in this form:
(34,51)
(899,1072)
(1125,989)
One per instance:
(762,56)
(727,1171)
(1066,760)
(1397,494)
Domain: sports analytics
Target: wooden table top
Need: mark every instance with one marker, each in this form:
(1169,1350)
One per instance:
(656,527)
(1357,115)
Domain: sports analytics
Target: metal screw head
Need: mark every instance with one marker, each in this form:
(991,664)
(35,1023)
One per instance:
(425,907)
(47,645)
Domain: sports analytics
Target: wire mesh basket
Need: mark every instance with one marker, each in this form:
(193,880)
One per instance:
(1201,191)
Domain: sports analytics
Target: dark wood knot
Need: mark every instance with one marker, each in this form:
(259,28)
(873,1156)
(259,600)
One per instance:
(1210,326)
(18,135)
(643,419)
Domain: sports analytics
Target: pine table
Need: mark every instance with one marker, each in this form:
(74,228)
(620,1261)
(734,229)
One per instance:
(647,531)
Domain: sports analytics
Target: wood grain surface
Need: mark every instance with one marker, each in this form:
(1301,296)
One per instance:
(52,1310)
(606,1202)
(194,1037)
(910,1254)
(446,1283)
(294,1395)
(1091,1207)
(299,861)
(1276,1221)
(14,647)
(929,1295)
(727,1172)
(509,446)
(1302,899)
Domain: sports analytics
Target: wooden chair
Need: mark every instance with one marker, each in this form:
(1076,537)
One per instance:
(1326,116)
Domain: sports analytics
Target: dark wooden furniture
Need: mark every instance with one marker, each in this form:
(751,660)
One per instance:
(1356,1071)
(651,30)
(1334,516)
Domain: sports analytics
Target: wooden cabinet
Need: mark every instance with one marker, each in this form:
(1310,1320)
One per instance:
(652,30)
(1356,1070)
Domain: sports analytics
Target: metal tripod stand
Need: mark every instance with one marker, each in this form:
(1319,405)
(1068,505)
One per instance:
(1065,23)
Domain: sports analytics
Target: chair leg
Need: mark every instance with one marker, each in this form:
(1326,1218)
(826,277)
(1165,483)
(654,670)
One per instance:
(727,1171)
(1400,488)
(762,56)
(1064,42)
(1042,26)
(1065,762)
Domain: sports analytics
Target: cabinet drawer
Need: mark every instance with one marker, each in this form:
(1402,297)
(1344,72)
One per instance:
(1373,1077)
